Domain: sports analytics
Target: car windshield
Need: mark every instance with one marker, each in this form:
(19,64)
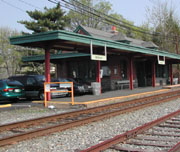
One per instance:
(40,78)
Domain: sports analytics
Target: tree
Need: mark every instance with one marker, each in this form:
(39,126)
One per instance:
(10,56)
(42,21)
(83,13)
(79,16)
(164,21)
(49,19)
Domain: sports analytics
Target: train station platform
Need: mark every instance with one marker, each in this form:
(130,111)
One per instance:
(87,101)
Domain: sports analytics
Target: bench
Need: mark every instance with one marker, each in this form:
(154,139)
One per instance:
(122,83)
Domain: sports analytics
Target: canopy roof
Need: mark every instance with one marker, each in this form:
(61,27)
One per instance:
(41,58)
(71,41)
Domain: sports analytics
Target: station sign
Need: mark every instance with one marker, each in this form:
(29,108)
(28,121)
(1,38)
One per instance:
(161,62)
(98,57)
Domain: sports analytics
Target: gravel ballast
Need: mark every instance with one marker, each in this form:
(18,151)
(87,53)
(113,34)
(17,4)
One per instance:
(84,136)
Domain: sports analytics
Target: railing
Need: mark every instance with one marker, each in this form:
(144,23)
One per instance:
(47,89)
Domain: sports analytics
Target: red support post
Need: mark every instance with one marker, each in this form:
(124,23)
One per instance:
(47,70)
(98,75)
(131,73)
(171,74)
(153,73)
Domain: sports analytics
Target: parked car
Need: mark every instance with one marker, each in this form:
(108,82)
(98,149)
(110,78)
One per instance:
(34,86)
(78,88)
(86,84)
(11,90)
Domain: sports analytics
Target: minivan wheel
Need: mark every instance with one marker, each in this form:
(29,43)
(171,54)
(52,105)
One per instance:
(41,95)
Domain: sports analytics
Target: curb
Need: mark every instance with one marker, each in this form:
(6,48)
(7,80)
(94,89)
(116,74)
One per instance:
(5,106)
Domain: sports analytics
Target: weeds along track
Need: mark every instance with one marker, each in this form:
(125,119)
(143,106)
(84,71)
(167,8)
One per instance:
(14,132)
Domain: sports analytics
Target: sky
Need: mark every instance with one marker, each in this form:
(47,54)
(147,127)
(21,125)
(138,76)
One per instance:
(12,11)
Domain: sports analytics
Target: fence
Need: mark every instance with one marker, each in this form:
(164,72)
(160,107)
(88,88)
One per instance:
(47,89)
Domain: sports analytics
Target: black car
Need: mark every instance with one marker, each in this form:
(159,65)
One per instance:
(34,86)
(86,84)
(78,88)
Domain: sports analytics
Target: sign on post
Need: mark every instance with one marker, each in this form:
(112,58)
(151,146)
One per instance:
(162,62)
(47,88)
(98,57)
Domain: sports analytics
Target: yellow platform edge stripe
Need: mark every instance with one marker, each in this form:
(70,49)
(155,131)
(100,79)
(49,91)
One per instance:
(122,97)
(5,106)
(106,99)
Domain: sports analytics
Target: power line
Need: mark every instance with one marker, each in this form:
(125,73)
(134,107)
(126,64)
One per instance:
(10,4)
(105,16)
(13,6)
(29,4)
(109,19)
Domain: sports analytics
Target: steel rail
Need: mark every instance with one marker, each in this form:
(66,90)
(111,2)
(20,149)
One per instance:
(131,134)
(55,128)
(36,121)
(176,148)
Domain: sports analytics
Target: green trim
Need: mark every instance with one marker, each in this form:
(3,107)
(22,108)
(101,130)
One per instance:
(41,58)
(81,28)
(32,41)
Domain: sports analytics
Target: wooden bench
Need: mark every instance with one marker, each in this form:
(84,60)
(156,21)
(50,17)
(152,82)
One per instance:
(122,83)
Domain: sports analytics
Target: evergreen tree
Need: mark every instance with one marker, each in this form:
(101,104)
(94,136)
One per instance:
(49,19)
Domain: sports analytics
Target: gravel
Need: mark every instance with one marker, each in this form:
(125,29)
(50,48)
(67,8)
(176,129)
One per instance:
(84,136)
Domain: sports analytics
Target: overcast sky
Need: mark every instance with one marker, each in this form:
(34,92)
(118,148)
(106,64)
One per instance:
(12,11)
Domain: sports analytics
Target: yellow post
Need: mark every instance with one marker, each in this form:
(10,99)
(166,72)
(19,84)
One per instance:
(72,93)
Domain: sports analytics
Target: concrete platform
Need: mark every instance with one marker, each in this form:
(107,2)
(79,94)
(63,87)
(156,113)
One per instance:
(87,101)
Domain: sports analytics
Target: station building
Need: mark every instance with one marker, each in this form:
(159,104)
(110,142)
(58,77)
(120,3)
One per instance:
(130,62)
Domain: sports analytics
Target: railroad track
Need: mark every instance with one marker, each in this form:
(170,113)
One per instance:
(161,135)
(14,132)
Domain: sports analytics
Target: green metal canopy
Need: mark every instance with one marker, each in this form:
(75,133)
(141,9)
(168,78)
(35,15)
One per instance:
(71,41)
(41,58)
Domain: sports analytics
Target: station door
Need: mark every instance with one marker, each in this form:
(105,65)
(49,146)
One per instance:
(144,73)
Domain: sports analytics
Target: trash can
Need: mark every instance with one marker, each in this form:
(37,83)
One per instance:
(160,82)
(96,88)
(175,81)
